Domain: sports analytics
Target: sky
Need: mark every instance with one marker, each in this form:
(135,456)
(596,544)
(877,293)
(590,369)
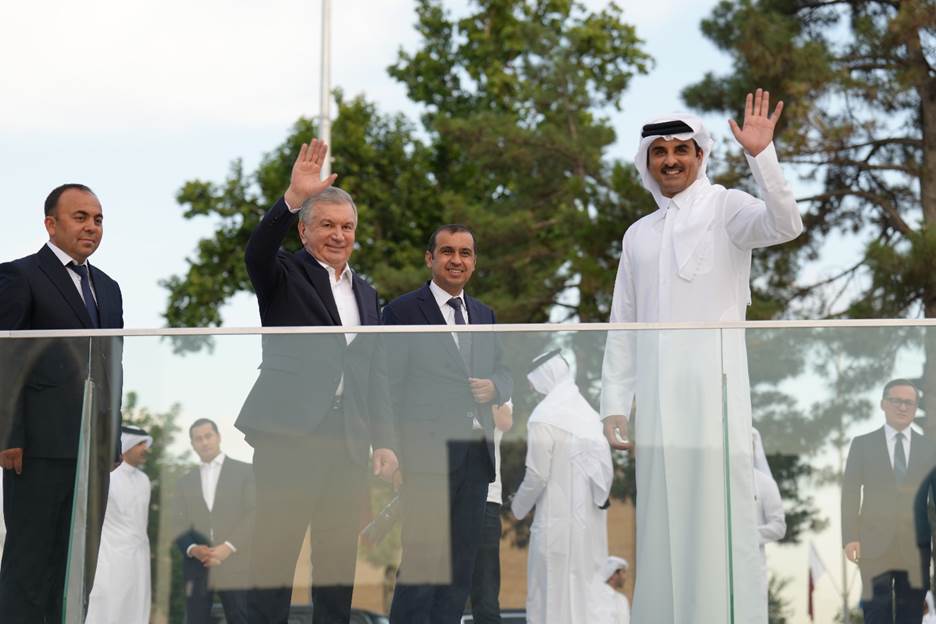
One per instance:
(134,98)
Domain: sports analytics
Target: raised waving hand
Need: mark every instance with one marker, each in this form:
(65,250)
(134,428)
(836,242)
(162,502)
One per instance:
(757,130)
(306,179)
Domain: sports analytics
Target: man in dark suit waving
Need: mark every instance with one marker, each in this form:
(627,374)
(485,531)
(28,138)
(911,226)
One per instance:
(321,402)
(883,474)
(41,392)
(214,515)
(443,387)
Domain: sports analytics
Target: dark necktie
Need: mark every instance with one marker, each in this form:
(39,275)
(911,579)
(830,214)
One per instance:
(464,339)
(87,295)
(900,459)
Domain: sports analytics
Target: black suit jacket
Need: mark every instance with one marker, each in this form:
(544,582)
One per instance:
(876,511)
(429,382)
(300,374)
(43,378)
(231,520)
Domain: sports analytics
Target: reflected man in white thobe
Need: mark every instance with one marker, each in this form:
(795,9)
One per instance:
(568,477)
(121,592)
(690,261)
(771,520)
(613,607)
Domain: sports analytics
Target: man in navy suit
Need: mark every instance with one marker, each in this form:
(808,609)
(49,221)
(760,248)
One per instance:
(214,516)
(443,387)
(41,403)
(321,401)
(883,474)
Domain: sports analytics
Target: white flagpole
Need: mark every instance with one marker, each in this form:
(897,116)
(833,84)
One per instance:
(325,104)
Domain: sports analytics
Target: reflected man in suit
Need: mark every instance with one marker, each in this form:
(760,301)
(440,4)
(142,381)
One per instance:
(321,402)
(214,516)
(41,393)
(883,474)
(444,386)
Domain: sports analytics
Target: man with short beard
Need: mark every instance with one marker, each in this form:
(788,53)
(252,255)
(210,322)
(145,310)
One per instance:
(690,261)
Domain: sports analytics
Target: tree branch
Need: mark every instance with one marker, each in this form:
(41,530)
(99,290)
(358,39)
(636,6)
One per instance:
(858,164)
(887,206)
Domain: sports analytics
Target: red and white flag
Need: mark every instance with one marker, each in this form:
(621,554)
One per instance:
(816,570)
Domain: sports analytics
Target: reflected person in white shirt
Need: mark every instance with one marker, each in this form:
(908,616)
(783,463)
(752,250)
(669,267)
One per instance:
(214,518)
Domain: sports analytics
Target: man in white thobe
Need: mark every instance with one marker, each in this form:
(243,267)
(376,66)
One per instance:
(121,592)
(568,478)
(612,605)
(771,519)
(690,261)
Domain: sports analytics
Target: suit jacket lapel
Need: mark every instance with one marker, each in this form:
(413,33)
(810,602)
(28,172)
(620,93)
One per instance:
(58,275)
(915,464)
(222,484)
(430,310)
(474,311)
(103,298)
(319,278)
(881,457)
(367,312)
(196,493)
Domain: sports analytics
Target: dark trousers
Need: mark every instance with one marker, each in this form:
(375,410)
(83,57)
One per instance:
(37,509)
(442,519)
(485,582)
(889,598)
(199,601)
(306,482)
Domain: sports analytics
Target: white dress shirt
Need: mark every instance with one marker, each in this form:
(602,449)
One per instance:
(65,259)
(495,488)
(343,292)
(890,434)
(210,472)
(448,313)
(348,313)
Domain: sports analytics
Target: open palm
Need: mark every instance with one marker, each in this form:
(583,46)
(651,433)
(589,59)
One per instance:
(306,179)
(757,130)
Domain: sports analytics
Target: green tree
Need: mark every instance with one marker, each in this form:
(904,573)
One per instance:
(382,164)
(511,143)
(512,93)
(859,80)
(778,608)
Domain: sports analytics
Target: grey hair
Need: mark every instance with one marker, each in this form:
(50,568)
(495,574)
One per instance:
(331,195)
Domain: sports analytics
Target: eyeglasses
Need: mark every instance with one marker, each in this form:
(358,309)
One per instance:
(907,403)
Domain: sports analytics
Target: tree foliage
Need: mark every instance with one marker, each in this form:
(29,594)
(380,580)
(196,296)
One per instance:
(511,142)
(512,93)
(859,128)
(859,81)
(382,164)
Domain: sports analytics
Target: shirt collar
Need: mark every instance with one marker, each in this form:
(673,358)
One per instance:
(890,432)
(217,461)
(441,296)
(63,257)
(345,275)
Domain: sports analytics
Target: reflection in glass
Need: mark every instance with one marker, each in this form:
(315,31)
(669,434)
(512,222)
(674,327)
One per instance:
(568,479)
